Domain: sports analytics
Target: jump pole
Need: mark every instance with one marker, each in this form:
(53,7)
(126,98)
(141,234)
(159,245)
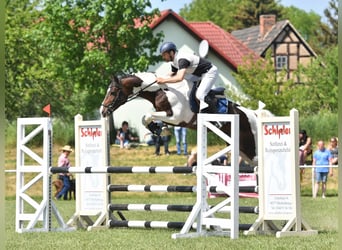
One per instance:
(279,182)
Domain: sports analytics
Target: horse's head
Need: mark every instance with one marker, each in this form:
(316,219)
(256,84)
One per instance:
(115,97)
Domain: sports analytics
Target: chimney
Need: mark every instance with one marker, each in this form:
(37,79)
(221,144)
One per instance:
(266,24)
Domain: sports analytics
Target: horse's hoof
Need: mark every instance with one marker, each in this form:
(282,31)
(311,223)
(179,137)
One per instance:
(146,120)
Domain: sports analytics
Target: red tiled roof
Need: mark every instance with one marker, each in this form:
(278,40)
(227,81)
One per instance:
(221,42)
(224,42)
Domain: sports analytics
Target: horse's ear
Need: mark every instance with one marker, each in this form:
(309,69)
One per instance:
(113,78)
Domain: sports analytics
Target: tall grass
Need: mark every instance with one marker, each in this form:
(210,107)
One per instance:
(320,126)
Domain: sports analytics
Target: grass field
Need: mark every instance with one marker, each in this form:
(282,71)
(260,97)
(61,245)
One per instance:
(321,214)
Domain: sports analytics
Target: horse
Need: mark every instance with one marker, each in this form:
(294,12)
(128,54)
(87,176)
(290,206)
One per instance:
(175,105)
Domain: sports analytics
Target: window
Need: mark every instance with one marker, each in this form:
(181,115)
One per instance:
(281,62)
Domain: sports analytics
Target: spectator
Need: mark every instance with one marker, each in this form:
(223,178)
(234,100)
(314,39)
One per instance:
(124,136)
(63,161)
(192,159)
(334,150)
(221,161)
(161,139)
(305,143)
(180,135)
(322,157)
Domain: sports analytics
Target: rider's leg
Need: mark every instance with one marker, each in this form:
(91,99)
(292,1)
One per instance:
(208,80)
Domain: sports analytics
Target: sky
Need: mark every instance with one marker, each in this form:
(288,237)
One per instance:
(316,6)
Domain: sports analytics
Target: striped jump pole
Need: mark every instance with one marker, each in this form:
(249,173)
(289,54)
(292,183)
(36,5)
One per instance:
(123,170)
(158,224)
(174,208)
(165,188)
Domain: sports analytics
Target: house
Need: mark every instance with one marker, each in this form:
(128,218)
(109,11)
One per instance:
(225,51)
(287,47)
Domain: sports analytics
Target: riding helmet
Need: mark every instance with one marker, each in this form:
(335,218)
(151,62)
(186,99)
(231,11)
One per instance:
(167,46)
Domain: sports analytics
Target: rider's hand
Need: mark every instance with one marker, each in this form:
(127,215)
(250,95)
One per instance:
(160,80)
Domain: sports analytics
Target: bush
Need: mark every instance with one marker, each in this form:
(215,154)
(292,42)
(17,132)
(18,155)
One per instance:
(320,126)
(10,134)
(63,133)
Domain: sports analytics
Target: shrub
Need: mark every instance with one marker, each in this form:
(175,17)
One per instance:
(320,126)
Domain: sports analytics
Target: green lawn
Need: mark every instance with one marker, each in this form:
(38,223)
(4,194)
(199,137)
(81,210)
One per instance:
(321,214)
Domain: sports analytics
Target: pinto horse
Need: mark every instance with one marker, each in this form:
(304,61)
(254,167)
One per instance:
(172,105)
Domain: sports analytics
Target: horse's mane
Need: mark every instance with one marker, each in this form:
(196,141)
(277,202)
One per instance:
(120,75)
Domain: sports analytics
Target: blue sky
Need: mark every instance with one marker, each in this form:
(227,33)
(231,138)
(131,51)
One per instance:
(316,6)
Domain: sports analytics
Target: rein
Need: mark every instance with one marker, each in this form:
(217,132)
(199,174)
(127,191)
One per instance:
(135,95)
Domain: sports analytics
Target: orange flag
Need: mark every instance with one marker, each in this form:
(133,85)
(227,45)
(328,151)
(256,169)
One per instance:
(47,109)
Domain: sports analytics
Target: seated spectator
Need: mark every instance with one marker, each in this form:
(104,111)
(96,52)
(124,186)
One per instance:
(192,159)
(221,161)
(305,143)
(124,136)
(149,139)
(333,147)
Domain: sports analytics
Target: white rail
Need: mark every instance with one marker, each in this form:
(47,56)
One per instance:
(313,173)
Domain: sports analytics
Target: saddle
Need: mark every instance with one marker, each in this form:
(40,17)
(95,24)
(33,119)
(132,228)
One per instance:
(215,98)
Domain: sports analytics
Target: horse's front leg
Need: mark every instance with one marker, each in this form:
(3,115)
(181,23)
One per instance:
(154,123)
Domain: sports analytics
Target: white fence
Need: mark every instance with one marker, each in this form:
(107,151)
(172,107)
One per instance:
(313,174)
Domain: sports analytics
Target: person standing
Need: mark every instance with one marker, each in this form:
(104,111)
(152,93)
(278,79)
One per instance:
(193,65)
(322,157)
(161,140)
(63,161)
(180,135)
(333,147)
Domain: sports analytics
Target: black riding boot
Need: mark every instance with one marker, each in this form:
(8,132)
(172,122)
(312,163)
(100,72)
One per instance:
(211,101)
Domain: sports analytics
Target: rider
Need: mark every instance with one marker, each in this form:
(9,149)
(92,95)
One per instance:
(186,63)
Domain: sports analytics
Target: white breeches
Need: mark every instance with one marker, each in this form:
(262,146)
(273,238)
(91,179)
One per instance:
(208,80)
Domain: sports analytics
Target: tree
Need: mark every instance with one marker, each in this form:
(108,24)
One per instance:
(329,32)
(220,12)
(320,92)
(257,81)
(306,24)
(22,62)
(248,12)
(78,45)
(230,14)
(317,93)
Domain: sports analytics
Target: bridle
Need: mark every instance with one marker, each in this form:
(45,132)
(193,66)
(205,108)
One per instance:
(121,97)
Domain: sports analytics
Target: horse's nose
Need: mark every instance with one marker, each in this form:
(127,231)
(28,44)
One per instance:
(102,112)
